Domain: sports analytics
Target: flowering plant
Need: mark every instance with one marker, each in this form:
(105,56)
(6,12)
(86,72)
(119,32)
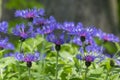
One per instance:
(46,49)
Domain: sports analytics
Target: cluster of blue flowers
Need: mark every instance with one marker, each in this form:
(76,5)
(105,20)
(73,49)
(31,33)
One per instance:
(57,33)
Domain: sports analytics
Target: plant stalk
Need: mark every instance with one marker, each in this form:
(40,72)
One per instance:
(56,73)
(86,71)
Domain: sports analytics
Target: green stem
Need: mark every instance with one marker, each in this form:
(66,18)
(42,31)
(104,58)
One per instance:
(19,76)
(56,75)
(29,73)
(107,78)
(18,64)
(86,71)
(21,46)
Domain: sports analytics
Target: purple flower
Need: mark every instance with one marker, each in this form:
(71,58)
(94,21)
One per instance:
(23,32)
(39,21)
(90,53)
(89,58)
(29,13)
(107,37)
(46,26)
(9,55)
(68,26)
(4,44)
(3,27)
(114,59)
(58,40)
(81,32)
(28,57)
(87,41)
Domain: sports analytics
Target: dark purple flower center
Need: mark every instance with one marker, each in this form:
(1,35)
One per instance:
(27,59)
(30,15)
(89,58)
(23,34)
(106,38)
(40,23)
(59,42)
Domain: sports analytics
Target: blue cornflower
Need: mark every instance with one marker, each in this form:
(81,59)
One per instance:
(89,58)
(58,40)
(29,13)
(81,32)
(107,37)
(88,41)
(90,53)
(39,21)
(114,59)
(9,55)
(68,26)
(28,58)
(46,26)
(3,27)
(23,32)
(4,44)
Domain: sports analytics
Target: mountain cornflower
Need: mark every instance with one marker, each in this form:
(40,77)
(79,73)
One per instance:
(88,41)
(114,59)
(4,44)
(29,13)
(48,25)
(81,32)
(23,32)
(68,26)
(3,27)
(107,37)
(90,53)
(28,58)
(9,55)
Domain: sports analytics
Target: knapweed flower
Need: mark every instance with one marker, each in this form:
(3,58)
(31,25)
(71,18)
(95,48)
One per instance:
(90,53)
(4,44)
(58,40)
(114,59)
(28,58)
(88,41)
(107,37)
(9,55)
(29,13)
(46,26)
(81,32)
(3,27)
(23,31)
(68,26)
(88,59)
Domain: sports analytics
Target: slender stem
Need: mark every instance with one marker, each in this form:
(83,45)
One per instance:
(19,76)
(56,75)
(107,75)
(86,71)
(116,53)
(1,72)
(29,73)
(18,64)
(21,46)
